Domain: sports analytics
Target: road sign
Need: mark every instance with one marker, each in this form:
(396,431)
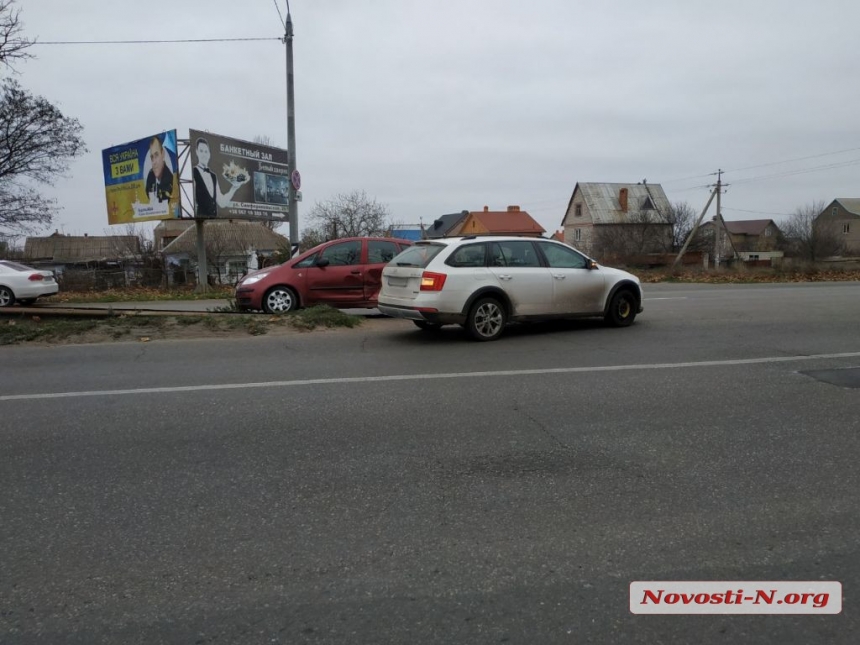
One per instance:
(296,178)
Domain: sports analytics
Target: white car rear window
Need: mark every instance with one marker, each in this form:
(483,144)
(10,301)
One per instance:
(418,255)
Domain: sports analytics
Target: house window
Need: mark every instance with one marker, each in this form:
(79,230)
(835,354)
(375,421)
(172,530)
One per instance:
(768,232)
(834,211)
(577,234)
(577,211)
(846,227)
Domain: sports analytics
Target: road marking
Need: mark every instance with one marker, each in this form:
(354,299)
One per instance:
(425,377)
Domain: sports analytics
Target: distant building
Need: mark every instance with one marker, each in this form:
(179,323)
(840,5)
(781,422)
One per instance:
(512,221)
(412,232)
(612,219)
(746,235)
(58,252)
(842,220)
(231,248)
(168,230)
(444,224)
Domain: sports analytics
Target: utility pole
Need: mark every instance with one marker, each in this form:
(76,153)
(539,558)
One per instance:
(291,136)
(693,232)
(718,220)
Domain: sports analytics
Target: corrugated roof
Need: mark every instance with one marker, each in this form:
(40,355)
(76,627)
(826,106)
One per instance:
(74,249)
(231,237)
(173,225)
(747,226)
(602,200)
(851,204)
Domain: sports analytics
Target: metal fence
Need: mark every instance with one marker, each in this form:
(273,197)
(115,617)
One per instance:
(104,279)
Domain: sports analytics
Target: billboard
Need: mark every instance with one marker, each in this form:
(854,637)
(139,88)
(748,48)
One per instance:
(142,179)
(236,179)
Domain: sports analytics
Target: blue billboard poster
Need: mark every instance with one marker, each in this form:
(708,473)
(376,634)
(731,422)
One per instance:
(142,179)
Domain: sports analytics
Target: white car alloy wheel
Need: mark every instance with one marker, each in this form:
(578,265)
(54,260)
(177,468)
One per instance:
(487,319)
(6,297)
(279,300)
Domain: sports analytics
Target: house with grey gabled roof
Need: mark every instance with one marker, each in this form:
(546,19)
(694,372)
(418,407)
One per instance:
(615,219)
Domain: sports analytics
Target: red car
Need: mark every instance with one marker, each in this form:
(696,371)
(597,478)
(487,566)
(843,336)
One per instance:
(343,273)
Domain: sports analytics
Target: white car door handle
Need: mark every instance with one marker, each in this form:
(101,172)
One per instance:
(558,276)
(505,277)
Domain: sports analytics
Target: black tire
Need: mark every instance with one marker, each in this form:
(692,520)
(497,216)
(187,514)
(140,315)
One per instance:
(7,298)
(487,319)
(280,300)
(622,309)
(427,325)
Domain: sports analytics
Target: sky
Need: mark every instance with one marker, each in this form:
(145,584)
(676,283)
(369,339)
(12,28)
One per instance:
(441,106)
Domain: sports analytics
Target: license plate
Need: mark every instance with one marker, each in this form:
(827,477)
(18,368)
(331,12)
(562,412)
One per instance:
(397,282)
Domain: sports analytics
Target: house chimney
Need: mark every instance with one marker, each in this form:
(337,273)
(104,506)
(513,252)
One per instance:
(513,209)
(622,198)
(486,209)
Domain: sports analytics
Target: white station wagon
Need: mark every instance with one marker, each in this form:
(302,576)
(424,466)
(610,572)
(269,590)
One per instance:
(484,282)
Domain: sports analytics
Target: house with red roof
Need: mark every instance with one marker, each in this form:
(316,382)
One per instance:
(512,221)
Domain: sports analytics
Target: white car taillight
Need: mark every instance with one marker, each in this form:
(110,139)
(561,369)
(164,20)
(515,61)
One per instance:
(432,281)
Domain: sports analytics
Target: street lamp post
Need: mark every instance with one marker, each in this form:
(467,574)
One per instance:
(291,135)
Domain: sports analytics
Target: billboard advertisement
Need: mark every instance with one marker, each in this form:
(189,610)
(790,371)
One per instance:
(236,179)
(142,179)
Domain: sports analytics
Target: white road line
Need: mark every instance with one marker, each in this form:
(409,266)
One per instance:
(424,377)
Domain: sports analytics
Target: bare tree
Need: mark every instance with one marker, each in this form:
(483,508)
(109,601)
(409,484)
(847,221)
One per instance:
(311,237)
(134,246)
(36,145)
(812,237)
(13,45)
(682,216)
(641,232)
(36,141)
(350,215)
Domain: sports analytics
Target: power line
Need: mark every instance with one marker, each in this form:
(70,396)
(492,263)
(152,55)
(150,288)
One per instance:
(802,171)
(742,210)
(670,181)
(776,163)
(148,42)
(684,190)
(763,165)
(280,15)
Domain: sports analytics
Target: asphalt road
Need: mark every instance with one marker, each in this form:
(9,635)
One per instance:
(388,485)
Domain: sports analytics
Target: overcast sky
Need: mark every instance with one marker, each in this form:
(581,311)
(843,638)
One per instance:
(437,106)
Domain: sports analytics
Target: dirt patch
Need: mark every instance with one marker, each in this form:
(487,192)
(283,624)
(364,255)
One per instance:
(34,330)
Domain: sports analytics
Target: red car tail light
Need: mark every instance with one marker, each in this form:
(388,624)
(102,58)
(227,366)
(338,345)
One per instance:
(432,281)
(36,277)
